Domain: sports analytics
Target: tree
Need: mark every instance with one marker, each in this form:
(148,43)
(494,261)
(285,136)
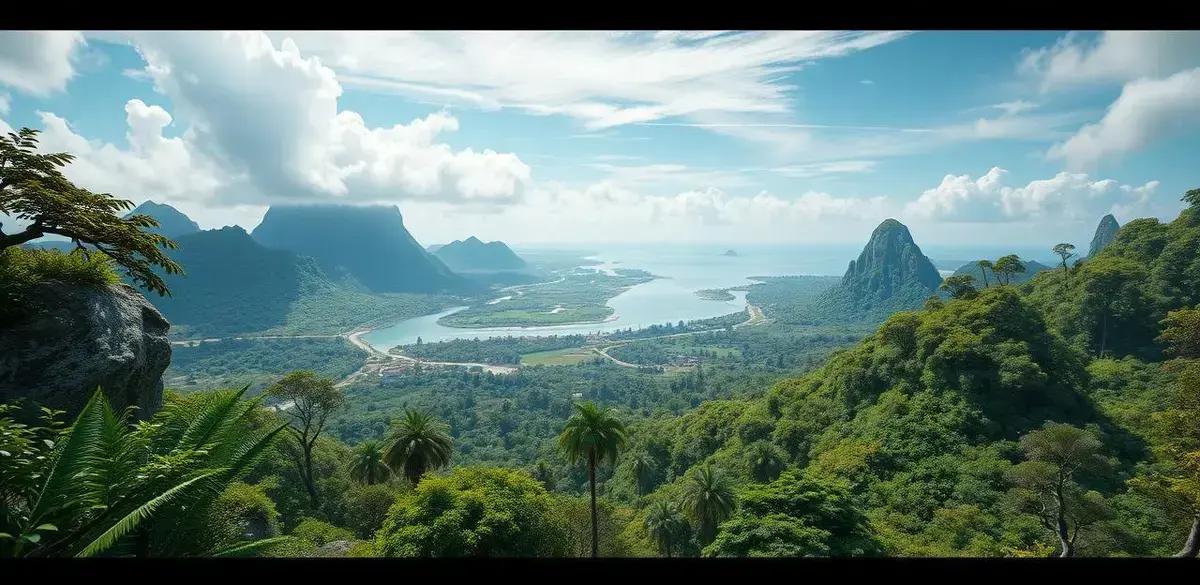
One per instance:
(960,286)
(666,526)
(1006,267)
(1045,483)
(643,466)
(1112,294)
(1064,251)
(34,190)
(796,515)
(766,461)
(419,443)
(105,484)
(1179,447)
(1181,333)
(592,434)
(308,399)
(474,511)
(708,499)
(984,266)
(1192,197)
(367,466)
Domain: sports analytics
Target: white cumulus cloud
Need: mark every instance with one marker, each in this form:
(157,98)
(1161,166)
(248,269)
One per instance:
(1066,196)
(38,62)
(1147,110)
(1112,57)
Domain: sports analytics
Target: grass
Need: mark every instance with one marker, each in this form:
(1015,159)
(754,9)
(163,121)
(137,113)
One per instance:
(557,357)
(21,269)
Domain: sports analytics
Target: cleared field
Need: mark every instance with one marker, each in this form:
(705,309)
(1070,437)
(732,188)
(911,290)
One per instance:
(557,357)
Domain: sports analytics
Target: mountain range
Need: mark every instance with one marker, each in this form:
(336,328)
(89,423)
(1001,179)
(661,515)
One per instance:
(367,247)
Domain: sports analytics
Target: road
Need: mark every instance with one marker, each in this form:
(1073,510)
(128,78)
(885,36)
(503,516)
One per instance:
(756,317)
(377,360)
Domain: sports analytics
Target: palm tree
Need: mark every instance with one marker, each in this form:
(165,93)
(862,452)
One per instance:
(592,434)
(419,443)
(666,525)
(766,461)
(107,485)
(643,466)
(367,466)
(708,499)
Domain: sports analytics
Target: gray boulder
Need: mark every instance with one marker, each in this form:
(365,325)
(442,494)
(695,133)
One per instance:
(74,339)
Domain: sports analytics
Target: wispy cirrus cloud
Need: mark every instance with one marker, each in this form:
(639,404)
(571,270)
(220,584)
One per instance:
(601,79)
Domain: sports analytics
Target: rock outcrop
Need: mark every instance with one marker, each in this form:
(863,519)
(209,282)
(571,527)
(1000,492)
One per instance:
(1106,232)
(75,339)
(891,274)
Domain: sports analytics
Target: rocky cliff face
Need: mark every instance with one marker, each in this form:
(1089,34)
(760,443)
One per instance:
(77,338)
(1106,232)
(890,263)
(891,274)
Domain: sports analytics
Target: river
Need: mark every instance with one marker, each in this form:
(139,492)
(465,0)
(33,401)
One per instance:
(684,270)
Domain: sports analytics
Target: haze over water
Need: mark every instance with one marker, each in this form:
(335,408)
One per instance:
(685,269)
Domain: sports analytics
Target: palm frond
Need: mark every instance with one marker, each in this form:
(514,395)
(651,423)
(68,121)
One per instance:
(131,520)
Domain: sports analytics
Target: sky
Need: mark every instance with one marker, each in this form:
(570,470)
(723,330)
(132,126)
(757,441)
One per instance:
(980,138)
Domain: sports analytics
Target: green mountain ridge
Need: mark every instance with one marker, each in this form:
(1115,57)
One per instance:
(369,244)
(472,254)
(171,222)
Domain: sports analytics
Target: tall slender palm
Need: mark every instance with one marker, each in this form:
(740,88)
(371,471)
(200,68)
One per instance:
(643,466)
(367,466)
(708,499)
(666,525)
(593,434)
(419,443)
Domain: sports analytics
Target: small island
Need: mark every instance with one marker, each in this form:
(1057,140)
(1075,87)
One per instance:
(715,294)
(730,252)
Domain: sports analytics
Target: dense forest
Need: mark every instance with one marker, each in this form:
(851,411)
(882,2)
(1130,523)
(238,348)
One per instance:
(1049,417)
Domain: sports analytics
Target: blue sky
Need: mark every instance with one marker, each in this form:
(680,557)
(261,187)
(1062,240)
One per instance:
(1021,138)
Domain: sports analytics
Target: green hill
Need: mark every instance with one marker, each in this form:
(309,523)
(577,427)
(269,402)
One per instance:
(1032,267)
(472,254)
(234,285)
(365,245)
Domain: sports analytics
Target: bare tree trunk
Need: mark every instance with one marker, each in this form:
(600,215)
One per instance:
(308,478)
(1068,547)
(1103,332)
(1192,547)
(592,484)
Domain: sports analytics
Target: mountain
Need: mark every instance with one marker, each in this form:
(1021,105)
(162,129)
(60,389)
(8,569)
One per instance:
(1032,267)
(234,284)
(1106,232)
(730,253)
(171,222)
(891,274)
(366,245)
(472,254)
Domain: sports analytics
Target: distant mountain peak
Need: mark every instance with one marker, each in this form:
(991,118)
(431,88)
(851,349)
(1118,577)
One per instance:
(472,254)
(171,222)
(890,273)
(366,244)
(1106,232)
